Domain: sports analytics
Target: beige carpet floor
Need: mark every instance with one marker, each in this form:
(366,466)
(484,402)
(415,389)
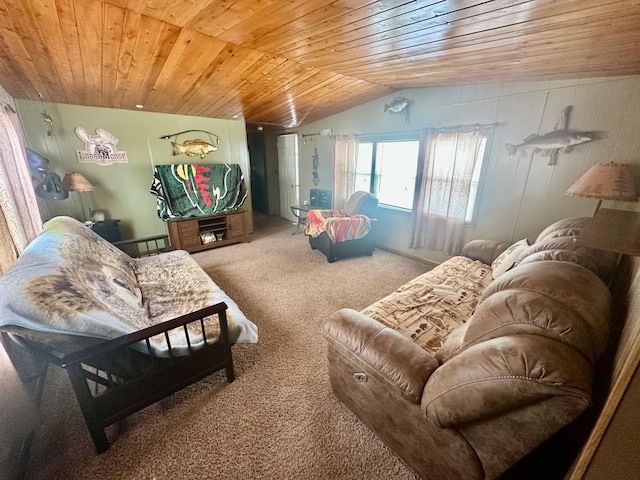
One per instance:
(279,419)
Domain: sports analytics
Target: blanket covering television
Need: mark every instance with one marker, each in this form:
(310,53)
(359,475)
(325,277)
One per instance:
(190,190)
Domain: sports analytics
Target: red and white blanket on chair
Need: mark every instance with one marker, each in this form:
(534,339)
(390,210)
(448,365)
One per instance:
(339,227)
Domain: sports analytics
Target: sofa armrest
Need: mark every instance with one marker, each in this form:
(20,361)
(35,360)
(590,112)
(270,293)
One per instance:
(396,358)
(485,251)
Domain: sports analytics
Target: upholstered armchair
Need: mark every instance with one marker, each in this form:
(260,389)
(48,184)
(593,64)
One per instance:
(346,232)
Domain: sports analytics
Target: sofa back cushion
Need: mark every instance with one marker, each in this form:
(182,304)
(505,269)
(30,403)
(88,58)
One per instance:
(567,227)
(560,300)
(504,375)
(555,289)
(526,354)
(559,241)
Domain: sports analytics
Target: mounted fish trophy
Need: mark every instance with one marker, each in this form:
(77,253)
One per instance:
(46,184)
(194,147)
(560,140)
(400,106)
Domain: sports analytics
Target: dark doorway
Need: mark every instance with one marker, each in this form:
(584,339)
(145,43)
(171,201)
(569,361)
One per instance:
(257,159)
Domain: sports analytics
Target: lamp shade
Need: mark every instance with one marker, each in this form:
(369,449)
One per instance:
(607,181)
(75,182)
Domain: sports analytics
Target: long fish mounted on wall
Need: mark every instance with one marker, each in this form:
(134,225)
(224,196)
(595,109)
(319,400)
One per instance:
(560,140)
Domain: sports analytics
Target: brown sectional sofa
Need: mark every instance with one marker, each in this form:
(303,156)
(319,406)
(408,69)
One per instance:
(490,390)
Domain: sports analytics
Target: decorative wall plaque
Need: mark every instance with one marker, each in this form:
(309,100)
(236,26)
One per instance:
(99,148)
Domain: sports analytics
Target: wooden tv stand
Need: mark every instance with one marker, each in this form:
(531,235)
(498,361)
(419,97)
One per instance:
(195,234)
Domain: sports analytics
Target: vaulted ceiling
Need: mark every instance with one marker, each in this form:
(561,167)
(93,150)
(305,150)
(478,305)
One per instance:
(289,62)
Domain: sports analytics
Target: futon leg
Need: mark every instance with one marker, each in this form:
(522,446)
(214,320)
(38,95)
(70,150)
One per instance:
(226,346)
(85,400)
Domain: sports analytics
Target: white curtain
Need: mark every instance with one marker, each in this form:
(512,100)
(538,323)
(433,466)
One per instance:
(344,172)
(444,185)
(20,220)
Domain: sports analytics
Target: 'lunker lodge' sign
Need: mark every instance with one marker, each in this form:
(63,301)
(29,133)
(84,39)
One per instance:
(99,148)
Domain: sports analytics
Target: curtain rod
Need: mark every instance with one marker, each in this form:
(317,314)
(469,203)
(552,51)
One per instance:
(400,134)
(467,127)
(403,133)
(325,132)
(8,107)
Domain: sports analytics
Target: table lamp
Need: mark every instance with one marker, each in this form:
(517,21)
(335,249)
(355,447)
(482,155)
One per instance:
(607,181)
(76,182)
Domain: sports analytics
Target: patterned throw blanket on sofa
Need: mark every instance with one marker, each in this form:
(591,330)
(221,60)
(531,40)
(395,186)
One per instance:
(339,227)
(71,288)
(428,308)
(188,190)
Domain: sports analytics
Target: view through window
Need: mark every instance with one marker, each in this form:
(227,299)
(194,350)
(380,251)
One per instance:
(388,169)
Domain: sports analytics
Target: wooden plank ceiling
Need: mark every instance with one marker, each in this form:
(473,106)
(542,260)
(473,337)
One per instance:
(289,62)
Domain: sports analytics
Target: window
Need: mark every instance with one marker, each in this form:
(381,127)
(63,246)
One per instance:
(387,168)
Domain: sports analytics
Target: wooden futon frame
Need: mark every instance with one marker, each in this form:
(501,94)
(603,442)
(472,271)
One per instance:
(112,380)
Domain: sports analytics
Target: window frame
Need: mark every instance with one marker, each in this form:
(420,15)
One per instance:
(416,135)
(374,139)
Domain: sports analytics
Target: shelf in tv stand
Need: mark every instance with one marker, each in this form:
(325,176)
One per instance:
(195,234)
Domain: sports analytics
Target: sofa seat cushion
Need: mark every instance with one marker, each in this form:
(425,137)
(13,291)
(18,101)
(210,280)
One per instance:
(429,308)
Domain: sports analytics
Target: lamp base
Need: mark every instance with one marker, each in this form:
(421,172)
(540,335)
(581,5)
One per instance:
(82,212)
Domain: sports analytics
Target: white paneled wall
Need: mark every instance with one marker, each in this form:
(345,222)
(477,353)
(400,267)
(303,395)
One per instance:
(521,194)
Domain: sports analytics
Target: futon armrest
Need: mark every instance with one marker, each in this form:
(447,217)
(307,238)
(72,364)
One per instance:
(485,251)
(395,357)
(142,247)
(107,346)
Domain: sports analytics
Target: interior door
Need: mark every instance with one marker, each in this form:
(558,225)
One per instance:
(259,194)
(288,178)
